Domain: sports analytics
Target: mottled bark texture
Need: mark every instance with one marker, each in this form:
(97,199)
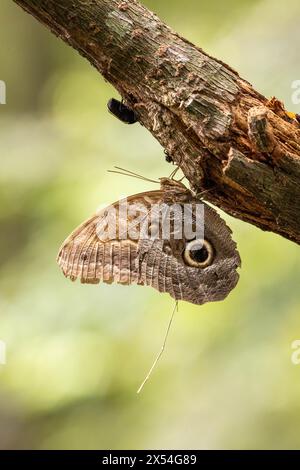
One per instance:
(225,136)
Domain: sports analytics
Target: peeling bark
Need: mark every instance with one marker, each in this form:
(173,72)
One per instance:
(224,135)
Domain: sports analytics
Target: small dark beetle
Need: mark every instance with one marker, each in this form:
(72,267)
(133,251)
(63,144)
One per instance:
(168,157)
(121,111)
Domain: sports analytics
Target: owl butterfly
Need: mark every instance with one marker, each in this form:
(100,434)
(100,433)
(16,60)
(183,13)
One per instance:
(117,245)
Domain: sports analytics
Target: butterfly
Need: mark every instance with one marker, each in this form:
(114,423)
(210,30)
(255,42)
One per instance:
(117,245)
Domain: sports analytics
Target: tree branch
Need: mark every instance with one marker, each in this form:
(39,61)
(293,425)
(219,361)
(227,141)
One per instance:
(224,135)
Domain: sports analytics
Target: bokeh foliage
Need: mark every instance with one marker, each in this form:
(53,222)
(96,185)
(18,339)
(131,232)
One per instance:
(76,354)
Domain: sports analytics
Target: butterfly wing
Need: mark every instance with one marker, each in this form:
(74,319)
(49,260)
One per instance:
(162,265)
(94,254)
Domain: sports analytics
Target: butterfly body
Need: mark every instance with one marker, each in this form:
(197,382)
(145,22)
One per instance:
(132,246)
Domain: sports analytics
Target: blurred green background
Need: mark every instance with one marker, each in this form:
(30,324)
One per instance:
(77,353)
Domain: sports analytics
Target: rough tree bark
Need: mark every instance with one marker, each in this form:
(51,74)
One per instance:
(224,135)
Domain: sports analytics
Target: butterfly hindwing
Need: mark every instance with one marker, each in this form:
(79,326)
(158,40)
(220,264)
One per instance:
(162,264)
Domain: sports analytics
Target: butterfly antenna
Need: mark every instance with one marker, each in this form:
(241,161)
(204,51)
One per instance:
(161,351)
(124,172)
(205,191)
(172,175)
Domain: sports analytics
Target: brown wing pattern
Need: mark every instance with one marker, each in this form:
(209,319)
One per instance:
(152,262)
(167,271)
(85,256)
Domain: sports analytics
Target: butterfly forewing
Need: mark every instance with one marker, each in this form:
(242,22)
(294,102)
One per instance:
(101,249)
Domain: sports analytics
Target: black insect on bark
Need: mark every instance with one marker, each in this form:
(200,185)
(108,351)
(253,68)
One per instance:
(168,157)
(121,111)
